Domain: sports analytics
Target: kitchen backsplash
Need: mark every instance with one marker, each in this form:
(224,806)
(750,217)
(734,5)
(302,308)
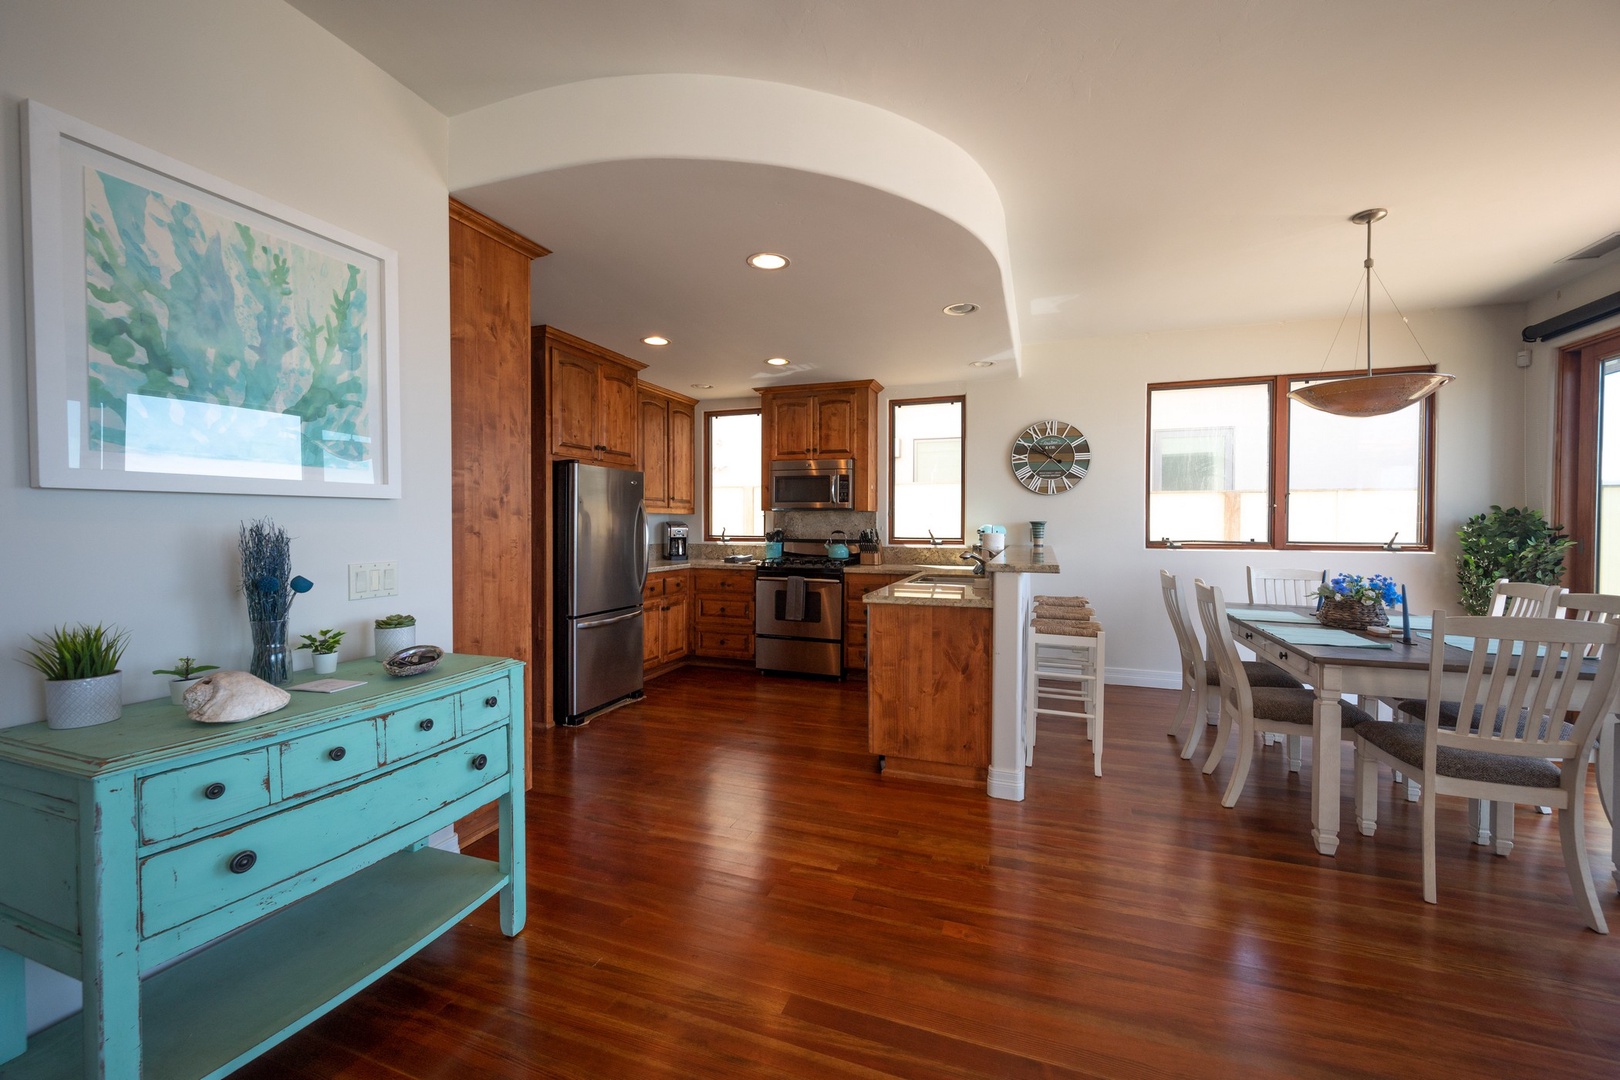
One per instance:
(819,524)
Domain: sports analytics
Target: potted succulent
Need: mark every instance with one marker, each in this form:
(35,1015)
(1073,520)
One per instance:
(323,646)
(395,632)
(185,671)
(83,685)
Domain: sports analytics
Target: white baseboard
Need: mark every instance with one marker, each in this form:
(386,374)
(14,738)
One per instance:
(1163,680)
(1005,784)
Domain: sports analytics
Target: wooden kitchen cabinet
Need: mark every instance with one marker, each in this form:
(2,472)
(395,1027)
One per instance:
(666,615)
(667,423)
(857,586)
(824,420)
(723,614)
(591,399)
(928,690)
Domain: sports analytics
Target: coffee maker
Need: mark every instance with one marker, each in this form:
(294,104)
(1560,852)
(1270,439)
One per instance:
(675,541)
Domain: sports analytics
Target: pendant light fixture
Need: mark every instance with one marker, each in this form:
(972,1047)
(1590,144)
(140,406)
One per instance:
(1369,394)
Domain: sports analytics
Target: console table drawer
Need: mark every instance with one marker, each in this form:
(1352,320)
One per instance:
(186,882)
(328,757)
(485,705)
(178,801)
(420,727)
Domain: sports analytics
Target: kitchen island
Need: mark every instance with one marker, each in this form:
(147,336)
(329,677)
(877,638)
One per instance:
(931,621)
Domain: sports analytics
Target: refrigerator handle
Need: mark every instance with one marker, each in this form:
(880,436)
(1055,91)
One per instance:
(594,623)
(646,542)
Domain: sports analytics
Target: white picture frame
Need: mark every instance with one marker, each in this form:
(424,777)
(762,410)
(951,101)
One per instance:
(186,334)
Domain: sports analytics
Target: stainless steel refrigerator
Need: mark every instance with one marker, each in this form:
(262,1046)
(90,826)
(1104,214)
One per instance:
(601,557)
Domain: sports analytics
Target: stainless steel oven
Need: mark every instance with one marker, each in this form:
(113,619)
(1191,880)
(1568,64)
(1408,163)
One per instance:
(799,615)
(828,484)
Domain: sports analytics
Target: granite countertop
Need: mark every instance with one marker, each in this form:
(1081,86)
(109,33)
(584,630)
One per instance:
(964,589)
(1020,560)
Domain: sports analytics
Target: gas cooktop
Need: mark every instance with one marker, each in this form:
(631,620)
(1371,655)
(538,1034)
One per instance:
(802,564)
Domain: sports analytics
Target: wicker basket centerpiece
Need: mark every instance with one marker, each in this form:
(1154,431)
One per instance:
(1351,602)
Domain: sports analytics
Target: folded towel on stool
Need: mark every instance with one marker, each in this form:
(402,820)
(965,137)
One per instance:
(1061,600)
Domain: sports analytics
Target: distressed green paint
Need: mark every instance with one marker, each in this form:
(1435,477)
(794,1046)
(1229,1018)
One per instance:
(13,1006)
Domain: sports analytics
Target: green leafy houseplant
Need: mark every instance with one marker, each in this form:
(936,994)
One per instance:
(80,652)
(185,668)
(1517,544)
(322,641)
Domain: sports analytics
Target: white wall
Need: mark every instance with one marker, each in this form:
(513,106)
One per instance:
(253,92)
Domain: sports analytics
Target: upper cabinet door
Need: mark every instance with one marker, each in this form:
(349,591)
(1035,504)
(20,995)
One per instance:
(619,428)
(793,426)
(576,403)
(655,451)
(682,477)
(837,425)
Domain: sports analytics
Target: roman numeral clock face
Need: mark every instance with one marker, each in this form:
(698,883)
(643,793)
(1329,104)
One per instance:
(1050,456)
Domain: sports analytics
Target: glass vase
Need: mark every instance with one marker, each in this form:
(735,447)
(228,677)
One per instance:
(269,650)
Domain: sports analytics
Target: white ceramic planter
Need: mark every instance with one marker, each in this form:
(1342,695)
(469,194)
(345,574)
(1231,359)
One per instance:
(178,688)
(325,663)
(77,703)
(391,639)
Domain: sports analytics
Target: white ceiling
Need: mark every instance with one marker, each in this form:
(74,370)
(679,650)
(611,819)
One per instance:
(1162,164)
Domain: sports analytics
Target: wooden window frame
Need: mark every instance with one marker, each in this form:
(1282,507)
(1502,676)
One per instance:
(1575,453)
(1277,521)
(708,471)
(894,538)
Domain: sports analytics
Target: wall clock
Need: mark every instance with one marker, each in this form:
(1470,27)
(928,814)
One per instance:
(1050,456)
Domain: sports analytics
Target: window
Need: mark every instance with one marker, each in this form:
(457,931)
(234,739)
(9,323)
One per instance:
(1217,451)
(733,496)
(925,475)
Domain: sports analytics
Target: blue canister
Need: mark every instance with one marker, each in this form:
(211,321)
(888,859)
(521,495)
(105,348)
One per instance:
(773,550)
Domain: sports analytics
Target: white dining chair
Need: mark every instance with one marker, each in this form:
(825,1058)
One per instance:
(1296,588)
(1603,608)
(1248,710)
(1523,599)
(1517,747)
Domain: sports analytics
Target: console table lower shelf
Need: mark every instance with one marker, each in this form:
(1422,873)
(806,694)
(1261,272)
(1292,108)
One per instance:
(217,1009)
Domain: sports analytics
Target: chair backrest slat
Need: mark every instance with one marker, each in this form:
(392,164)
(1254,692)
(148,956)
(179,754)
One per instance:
(1277,586)
(1235,691)
(1192,660)
(1523,599)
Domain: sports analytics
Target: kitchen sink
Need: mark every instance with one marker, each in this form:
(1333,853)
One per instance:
(949,577)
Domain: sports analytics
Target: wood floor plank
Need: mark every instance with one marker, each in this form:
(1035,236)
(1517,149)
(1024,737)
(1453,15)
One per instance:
(722,884)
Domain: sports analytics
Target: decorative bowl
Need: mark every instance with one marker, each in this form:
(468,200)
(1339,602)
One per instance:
(413,661)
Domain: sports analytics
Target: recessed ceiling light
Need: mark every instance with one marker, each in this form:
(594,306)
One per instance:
(767,260)
(961,309)
(778,361)
(655,339)
(983,363)
(703,386)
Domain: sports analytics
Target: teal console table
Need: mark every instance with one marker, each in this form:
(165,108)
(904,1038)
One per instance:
(292,846)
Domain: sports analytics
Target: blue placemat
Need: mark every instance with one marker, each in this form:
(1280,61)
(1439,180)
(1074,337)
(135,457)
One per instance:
(1466,644)
(1249,614)
(1324,635)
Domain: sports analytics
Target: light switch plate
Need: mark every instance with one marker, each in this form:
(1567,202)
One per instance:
(371,579)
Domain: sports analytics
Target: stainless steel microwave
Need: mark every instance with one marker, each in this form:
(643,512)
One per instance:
(828,484)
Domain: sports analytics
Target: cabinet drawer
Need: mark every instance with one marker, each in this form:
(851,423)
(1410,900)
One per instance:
(735,644)
(180,885)
(652,588)
(728,609)
(723,581)
(485,705)
(678,581)
(420,727)
(328,757)
(855,634)
(176,802)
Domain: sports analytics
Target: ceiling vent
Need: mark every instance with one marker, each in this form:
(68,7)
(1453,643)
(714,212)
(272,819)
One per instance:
(1597,250)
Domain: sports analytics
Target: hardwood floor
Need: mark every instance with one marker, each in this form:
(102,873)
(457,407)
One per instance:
(721,885)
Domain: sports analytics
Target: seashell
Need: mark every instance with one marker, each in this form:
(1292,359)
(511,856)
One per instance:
(414,661)
(226,697)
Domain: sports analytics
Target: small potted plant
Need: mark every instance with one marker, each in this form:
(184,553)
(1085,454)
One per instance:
(185,671)
(323,646)
(395,632)
(83,685)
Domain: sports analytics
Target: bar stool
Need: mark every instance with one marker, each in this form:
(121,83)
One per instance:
(1065,667)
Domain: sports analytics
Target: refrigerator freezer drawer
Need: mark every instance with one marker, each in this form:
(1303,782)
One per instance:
(599,663)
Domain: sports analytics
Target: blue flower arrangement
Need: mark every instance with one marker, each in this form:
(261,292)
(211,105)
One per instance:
(1377,589)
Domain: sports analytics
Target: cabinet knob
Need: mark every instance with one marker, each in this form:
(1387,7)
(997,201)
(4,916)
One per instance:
(214,790)
(337,753)
(481,762)
(426,725)
(491,701)
(243,862)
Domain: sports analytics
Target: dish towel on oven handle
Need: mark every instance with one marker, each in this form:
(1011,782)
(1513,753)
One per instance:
(793,602)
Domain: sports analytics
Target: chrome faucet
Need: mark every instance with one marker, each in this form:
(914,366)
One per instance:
(978,562)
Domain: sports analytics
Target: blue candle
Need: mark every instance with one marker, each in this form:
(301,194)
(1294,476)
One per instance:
(1406,619)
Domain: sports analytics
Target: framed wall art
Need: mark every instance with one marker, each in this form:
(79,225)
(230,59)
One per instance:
(188,335)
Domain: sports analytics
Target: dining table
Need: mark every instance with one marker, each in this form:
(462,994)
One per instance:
(1391,664)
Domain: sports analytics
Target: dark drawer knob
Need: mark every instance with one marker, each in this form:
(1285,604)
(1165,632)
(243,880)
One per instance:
(337,753)
(426,725)
(491,701)
(481,762)
(214,790)
(243,862)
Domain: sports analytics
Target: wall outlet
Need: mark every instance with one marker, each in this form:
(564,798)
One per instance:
(370,579)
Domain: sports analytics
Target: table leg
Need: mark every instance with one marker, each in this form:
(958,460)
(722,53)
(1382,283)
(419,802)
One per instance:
(13,1006)
(1325,763)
